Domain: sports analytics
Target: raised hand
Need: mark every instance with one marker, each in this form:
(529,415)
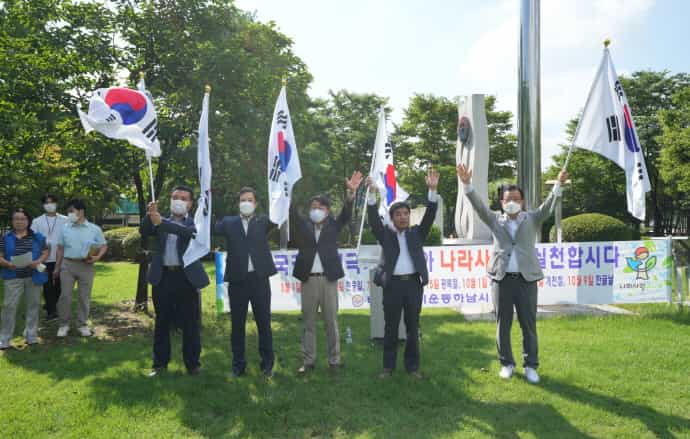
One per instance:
(432,179)
(464,174)
(563,176)
(354,181)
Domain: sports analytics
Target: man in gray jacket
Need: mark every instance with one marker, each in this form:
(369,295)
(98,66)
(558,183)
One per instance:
(514,269)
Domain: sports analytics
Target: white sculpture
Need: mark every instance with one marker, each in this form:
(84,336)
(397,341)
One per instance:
(473,151)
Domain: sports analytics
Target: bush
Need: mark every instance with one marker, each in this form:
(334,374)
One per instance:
(131,246)
(589,227)
(114,238)
(434,238)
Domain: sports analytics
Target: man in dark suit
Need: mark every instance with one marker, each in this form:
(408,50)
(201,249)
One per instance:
(405,272)
(318,266)
(175,288)
(248,266)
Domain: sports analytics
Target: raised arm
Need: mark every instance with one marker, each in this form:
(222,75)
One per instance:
(484,213)
(432,204)
(373,212)
(146,228)
(544,210)
(346,213)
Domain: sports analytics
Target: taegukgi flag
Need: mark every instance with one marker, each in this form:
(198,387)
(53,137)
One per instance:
(606,127)
(200,245)
(283,161)
(123,113)
(383,172)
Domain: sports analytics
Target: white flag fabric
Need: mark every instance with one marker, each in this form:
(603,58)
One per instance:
(283,162)
(123,113)
(200,245)
(607,128)
(383,172)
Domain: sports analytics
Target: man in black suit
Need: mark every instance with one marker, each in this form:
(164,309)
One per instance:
(248,266)
(175,288)
(318,266)
(404,272)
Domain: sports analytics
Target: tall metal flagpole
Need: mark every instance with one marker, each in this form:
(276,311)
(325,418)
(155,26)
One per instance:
(529,104)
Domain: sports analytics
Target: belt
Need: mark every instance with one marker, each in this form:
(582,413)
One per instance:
(75,259)
(172,267)
(317,274)
(514,275)
(412,276)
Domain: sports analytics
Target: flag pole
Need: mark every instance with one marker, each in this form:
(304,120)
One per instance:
(607,43)
(366,198)
(285,228)
(153,194)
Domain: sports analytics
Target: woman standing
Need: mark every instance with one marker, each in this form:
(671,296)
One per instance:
(20,277)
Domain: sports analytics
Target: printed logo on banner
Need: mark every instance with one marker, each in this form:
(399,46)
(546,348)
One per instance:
(641,263)
(357,300)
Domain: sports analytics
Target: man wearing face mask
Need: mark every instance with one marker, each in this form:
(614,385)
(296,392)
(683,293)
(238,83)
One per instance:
(248,266)
(50,225)
(514,268)
(405,272)
(175,287)
(318,266)
(80,244)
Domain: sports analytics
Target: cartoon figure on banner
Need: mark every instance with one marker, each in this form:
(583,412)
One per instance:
(641,263)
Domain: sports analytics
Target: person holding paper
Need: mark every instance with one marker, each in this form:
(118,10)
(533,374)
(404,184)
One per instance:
(514,268)
(22,253)
(50,225)
(80,244)
(318,267)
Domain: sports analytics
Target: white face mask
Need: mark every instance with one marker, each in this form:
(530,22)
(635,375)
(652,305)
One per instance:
(512,207)
(73,217)
(50,207)
(178,207)
(317,215)
(247,208)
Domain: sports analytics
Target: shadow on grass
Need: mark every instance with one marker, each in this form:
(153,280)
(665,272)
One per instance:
(321,404)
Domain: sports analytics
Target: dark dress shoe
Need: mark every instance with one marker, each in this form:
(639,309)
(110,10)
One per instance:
(268,373)
(305,369)
(238,373)
(194,371)
(416,374)
(387,373)
(157,371)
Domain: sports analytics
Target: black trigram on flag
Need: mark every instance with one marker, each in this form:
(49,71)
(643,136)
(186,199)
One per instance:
(614,128)
(151,130)
(275,169)
(388,149)
(282,119)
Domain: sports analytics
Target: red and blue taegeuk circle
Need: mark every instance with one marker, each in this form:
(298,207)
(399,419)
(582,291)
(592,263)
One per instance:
(130,104)
(284,151)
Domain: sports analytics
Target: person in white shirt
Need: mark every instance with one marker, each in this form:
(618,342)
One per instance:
(50,225)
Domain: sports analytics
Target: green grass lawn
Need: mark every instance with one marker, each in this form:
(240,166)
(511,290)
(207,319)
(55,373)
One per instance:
(609,377)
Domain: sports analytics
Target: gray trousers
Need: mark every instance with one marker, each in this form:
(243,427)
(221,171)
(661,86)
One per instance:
(515,292)
(82,274)
(319,292)
(13,292)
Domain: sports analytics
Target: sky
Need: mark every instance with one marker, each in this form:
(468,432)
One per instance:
(460,47)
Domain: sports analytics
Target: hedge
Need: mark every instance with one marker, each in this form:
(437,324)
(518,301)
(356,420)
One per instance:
(589,227)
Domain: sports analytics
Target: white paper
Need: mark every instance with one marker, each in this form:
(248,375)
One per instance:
(22,261)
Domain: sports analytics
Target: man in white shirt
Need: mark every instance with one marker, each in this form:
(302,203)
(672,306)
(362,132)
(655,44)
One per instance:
(50,225)
(405,273)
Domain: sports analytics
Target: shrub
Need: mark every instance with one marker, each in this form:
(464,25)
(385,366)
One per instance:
(131,246)
(589,227)
(114,238)
(434,238)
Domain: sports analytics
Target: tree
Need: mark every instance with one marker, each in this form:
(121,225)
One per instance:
(674,163)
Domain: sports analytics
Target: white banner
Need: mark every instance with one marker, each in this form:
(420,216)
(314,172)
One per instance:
(574,273)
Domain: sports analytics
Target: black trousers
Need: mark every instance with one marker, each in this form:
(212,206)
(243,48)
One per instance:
(176,300)
(401,295)
(256,290)
(51,290)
